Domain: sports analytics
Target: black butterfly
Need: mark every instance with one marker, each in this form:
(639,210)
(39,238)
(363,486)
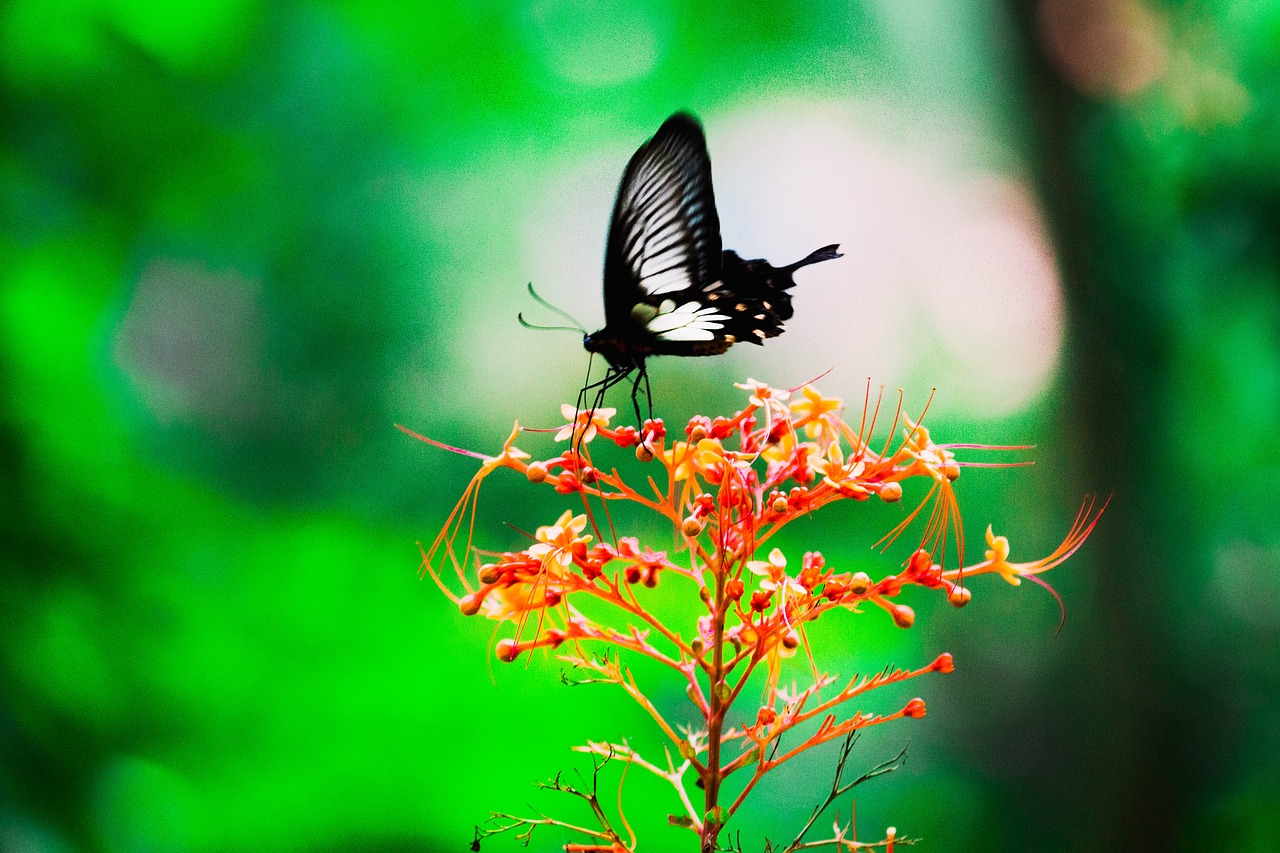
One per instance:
(669,289)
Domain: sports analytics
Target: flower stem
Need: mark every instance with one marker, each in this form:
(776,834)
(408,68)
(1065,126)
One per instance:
(712,822)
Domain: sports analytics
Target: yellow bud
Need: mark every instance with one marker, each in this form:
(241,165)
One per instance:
(644,452)
(692,526)
(489,573)
(791,640)
(859,583)
(536,472)
(904,616)
(951,470)
(697,434)
(779,505)
(891,492)
(959,597)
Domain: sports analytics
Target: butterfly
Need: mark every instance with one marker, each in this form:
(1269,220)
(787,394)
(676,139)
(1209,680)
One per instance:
(669,287)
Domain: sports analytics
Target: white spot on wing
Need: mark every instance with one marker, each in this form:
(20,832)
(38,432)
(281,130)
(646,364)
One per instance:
(688,322)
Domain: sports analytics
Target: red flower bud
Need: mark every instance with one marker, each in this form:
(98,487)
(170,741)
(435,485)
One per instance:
(733,589)
(654,429)
(567,484)
(626,436)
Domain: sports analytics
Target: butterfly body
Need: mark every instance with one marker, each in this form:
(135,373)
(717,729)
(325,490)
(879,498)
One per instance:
(669,286)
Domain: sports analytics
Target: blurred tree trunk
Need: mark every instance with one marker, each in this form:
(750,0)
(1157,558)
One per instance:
(1121,719)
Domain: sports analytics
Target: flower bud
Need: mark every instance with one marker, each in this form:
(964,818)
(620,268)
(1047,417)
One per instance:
(507,650)
(959,596)
(779,505)
(733,589)
(536,472)
(915,709)
(692,526)
(765,716)
(951,470)
(944,663)
(489,573)
(791,640)
(891,492)
(470,604)
(903,616)
(697,433)
(859,583)
(643,452)
(626,436)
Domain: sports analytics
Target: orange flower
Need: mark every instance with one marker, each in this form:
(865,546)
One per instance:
(998,557)
(819,415)
(839,474)
(678,459)
(774,572)
(582,425)
(558,542)
(919,444)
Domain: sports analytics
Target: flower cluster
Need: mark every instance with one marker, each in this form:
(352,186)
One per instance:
(726,488)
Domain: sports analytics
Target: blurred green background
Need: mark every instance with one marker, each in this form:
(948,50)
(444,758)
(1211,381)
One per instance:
(241,240)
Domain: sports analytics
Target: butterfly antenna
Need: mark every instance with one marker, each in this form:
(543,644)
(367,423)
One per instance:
(553,309)
(528,325)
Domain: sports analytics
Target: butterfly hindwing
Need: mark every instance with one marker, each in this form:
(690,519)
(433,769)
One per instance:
(664,238)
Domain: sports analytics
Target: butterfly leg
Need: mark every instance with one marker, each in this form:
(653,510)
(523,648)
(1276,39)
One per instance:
(648,395)
(600,387)
(642,376)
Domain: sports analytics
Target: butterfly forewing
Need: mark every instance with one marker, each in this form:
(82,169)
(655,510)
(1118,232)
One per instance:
(665,234)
